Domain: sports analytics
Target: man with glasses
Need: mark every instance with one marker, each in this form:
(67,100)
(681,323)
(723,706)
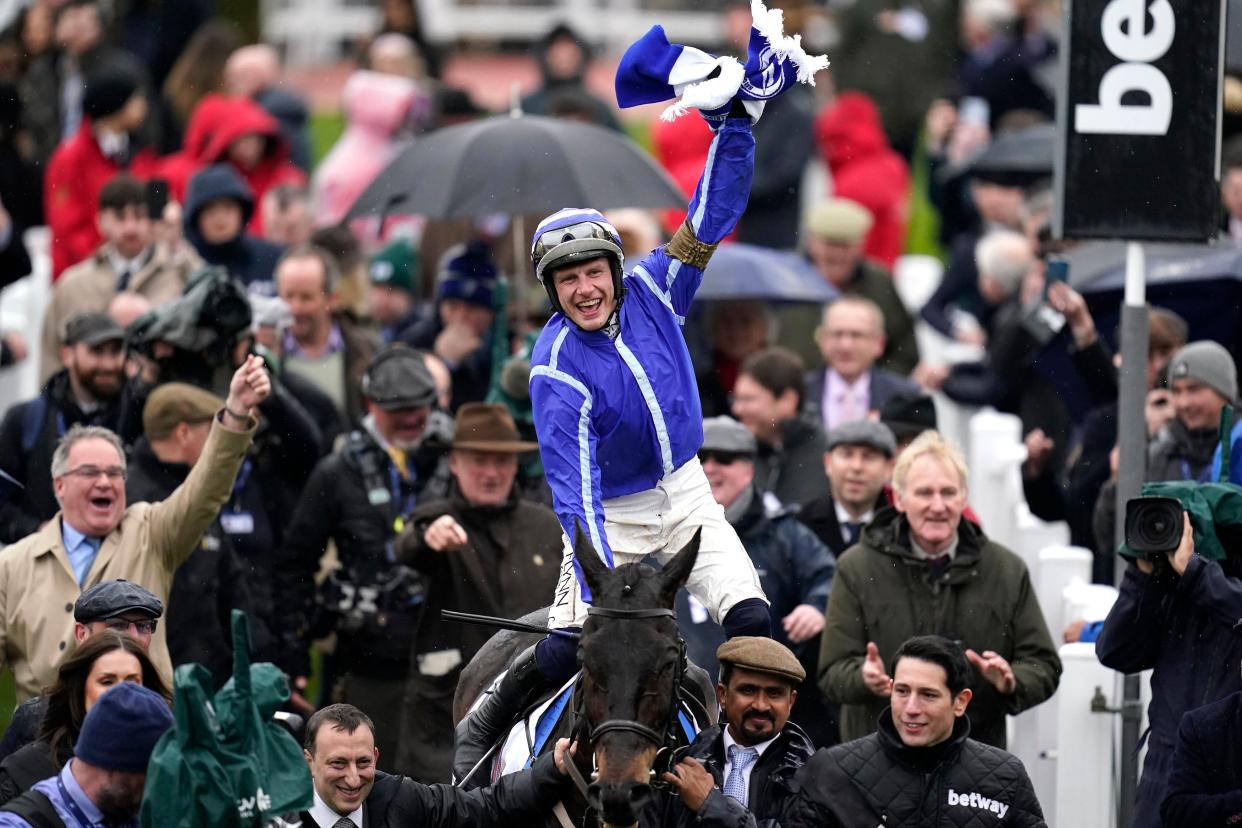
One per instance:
(117,605)
(618,417)
(97,536)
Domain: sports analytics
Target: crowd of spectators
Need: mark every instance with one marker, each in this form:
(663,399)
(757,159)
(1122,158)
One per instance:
(251,402)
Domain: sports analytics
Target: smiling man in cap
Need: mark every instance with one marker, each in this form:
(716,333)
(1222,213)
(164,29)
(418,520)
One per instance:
(360,497)
(748,761)
(90,390)
(484,548)
(859,464)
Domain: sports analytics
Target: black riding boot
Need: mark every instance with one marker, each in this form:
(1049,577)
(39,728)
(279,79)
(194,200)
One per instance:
(480,730)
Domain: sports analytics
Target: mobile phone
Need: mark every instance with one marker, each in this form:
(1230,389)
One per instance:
(1057,270)
(157,198)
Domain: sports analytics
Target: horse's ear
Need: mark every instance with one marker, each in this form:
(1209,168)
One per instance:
(594,570)
(677,571)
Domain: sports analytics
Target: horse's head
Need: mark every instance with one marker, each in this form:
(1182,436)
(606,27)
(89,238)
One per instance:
(630,666)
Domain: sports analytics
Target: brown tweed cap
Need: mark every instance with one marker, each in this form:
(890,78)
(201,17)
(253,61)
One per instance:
(763,655)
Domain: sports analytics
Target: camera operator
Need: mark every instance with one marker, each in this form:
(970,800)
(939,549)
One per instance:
(198,339)
(1176,615)
(360,498)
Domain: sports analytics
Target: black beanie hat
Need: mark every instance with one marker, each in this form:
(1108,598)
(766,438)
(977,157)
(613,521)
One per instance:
(108,89)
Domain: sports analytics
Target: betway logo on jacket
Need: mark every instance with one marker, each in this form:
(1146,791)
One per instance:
(979,801)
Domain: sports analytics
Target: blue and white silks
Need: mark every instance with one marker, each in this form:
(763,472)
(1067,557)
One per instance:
(616,415)
(654,70)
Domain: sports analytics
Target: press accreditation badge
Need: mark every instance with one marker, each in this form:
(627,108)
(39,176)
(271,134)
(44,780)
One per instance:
(237,523)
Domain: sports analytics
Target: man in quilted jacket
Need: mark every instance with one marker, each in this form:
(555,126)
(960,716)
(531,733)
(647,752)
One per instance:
(921,768)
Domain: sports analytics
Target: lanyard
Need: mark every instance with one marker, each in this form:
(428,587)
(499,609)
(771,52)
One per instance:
(74,809)
(239,484)
(1202,477)
(404,501)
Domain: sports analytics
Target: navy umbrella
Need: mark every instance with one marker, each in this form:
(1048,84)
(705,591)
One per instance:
(517,165)
(1201,283)
(747,271)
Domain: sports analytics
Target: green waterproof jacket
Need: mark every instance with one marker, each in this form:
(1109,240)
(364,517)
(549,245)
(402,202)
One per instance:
(884,593)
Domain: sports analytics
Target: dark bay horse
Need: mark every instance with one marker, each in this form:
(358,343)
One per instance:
(624,707)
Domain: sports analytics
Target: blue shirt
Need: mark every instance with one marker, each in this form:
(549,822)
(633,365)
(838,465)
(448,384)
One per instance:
(80,549)
(70,813)
(614,415)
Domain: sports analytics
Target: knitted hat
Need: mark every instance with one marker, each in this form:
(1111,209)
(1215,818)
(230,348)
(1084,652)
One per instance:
(394,266)
(108,89)
(468,273)
(1209,363)
(120,731)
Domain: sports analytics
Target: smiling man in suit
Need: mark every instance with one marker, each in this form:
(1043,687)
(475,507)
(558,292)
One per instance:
(850,386)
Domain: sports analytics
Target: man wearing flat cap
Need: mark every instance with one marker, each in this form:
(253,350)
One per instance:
(360,497)
(748,761)
(111,605)
(176,421)
(859,464)
(834,234)
(484,548)
(90,390)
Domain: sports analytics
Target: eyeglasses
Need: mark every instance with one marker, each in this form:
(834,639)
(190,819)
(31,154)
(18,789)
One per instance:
(140,627)
(113,473)
(724,458)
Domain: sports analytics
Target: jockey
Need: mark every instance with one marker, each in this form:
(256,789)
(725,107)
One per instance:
(619,421)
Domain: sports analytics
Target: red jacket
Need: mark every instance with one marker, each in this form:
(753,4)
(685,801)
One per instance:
(216,123)
(76,172)
(865,169)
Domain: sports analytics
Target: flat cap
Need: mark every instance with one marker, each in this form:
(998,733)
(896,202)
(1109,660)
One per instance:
(397,377)
(839,220)
(864,433)
(725,434)
(174,403)
(763,655)
(93,328)
(112,598)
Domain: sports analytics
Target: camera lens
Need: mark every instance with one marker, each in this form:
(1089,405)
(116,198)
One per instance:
(1153,524)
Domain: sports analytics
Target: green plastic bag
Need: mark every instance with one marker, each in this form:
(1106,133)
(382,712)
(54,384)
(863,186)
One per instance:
(226,762)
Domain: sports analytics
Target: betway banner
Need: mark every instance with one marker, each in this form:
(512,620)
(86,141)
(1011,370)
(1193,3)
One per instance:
(1138,117)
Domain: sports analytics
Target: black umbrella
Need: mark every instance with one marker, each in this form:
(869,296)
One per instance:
(1018,158)
(517,165)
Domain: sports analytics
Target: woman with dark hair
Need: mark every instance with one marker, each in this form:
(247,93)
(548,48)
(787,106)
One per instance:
(96,665)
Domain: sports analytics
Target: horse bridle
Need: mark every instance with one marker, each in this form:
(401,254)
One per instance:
(666,742)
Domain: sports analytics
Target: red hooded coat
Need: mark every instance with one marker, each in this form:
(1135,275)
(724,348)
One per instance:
(215,124)
(865,169)
(76,172)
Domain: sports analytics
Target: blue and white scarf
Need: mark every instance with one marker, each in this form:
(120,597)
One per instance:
(654,70)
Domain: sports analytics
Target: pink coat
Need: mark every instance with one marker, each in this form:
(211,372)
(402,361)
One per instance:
(376,108)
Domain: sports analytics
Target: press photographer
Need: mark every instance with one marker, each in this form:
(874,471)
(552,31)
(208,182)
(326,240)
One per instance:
(360,498)
(1180,602)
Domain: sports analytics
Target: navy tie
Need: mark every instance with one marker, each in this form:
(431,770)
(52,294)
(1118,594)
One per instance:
(853,531)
